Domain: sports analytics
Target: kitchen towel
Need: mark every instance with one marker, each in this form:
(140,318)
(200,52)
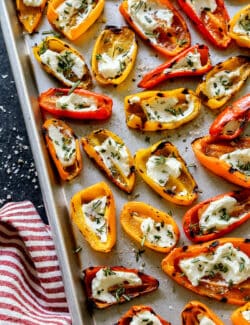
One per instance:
(31,287)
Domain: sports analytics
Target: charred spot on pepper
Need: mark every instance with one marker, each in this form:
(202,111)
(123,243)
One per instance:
(160,94)
(184,248)
(169,192)
(213,244)
(223,299)
(232,170)
(247,240)
(185,91)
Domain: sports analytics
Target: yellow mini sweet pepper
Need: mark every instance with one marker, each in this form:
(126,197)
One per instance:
(239,27)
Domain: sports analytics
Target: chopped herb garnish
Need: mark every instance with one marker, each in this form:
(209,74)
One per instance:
(76,84)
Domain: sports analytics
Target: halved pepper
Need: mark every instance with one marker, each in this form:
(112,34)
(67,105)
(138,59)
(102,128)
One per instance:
(158,23)
(93,211)
(114,55)
(73,18)
(211,19)
(149,226)
(223,81)
(241,315)
(194,61)
(239,27)
(141,314)
(195,313)
(230,160)
(231,122)
(79,104)
(216,269)
(125,284)
(165,171)
(217,216)
(30,15)
(64,148)
(161,110)
(63,62)
(112,156)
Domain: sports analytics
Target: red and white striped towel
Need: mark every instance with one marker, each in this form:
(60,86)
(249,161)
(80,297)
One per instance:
(31,287)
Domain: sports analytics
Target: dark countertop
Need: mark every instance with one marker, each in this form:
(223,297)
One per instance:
(18,176)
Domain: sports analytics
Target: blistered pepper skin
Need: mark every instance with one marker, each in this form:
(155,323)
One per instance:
(242,40)
(237,317)
(208,150)
(175,188)
(114,42)
(74,32)
(84,197)
(236,294)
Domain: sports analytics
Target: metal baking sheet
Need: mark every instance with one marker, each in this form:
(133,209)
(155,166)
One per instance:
(30,79)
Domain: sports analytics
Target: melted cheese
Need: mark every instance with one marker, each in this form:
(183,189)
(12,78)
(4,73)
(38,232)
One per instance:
(160,168)
(246,315)
(201,5)
(238,159)
(94,213)
(204,320)
(166,109)
(222,83)
(217,214)
(192,61)
(71,13)
(104,280)
(74,63)
(148,15)
(231,264)
(33,3)
(145,317)
(242,26)
(114,153)
(64,144)
(75,102)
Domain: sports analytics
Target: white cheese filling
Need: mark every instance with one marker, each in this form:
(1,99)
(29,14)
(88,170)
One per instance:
(106,279)
(204,320)
(33,3)
(222,83)
(242,26)
(64,62)
(148,15)
(191,61)
(75,102)
(157,233)
(114,153)
(230,263)
(112,67)
(64,144)
(217,214)
(94,213)
(246,315)
(71,13)
(160,168)
(238,159)
(145,317)
(166,110)
(201,5)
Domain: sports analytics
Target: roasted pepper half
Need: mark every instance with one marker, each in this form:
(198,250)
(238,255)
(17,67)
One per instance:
(217,216)
(230,160)
(79,104)
(194,61)
(161,110)
(195,313)
(93,211)
(231,122)
(239,27)
(112,156)
(63,147)
(217,269)
(125,284)
(63,62)
(114,55)
(149,226)
(211,18)
(141,314)
(223,81)
(73,18)
(158,23)
(241,316)
(163,169)
(30,13)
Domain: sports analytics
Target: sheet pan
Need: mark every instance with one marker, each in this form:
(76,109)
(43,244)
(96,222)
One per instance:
(30,79)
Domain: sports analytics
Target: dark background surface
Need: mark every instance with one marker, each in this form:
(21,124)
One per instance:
(18,176)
